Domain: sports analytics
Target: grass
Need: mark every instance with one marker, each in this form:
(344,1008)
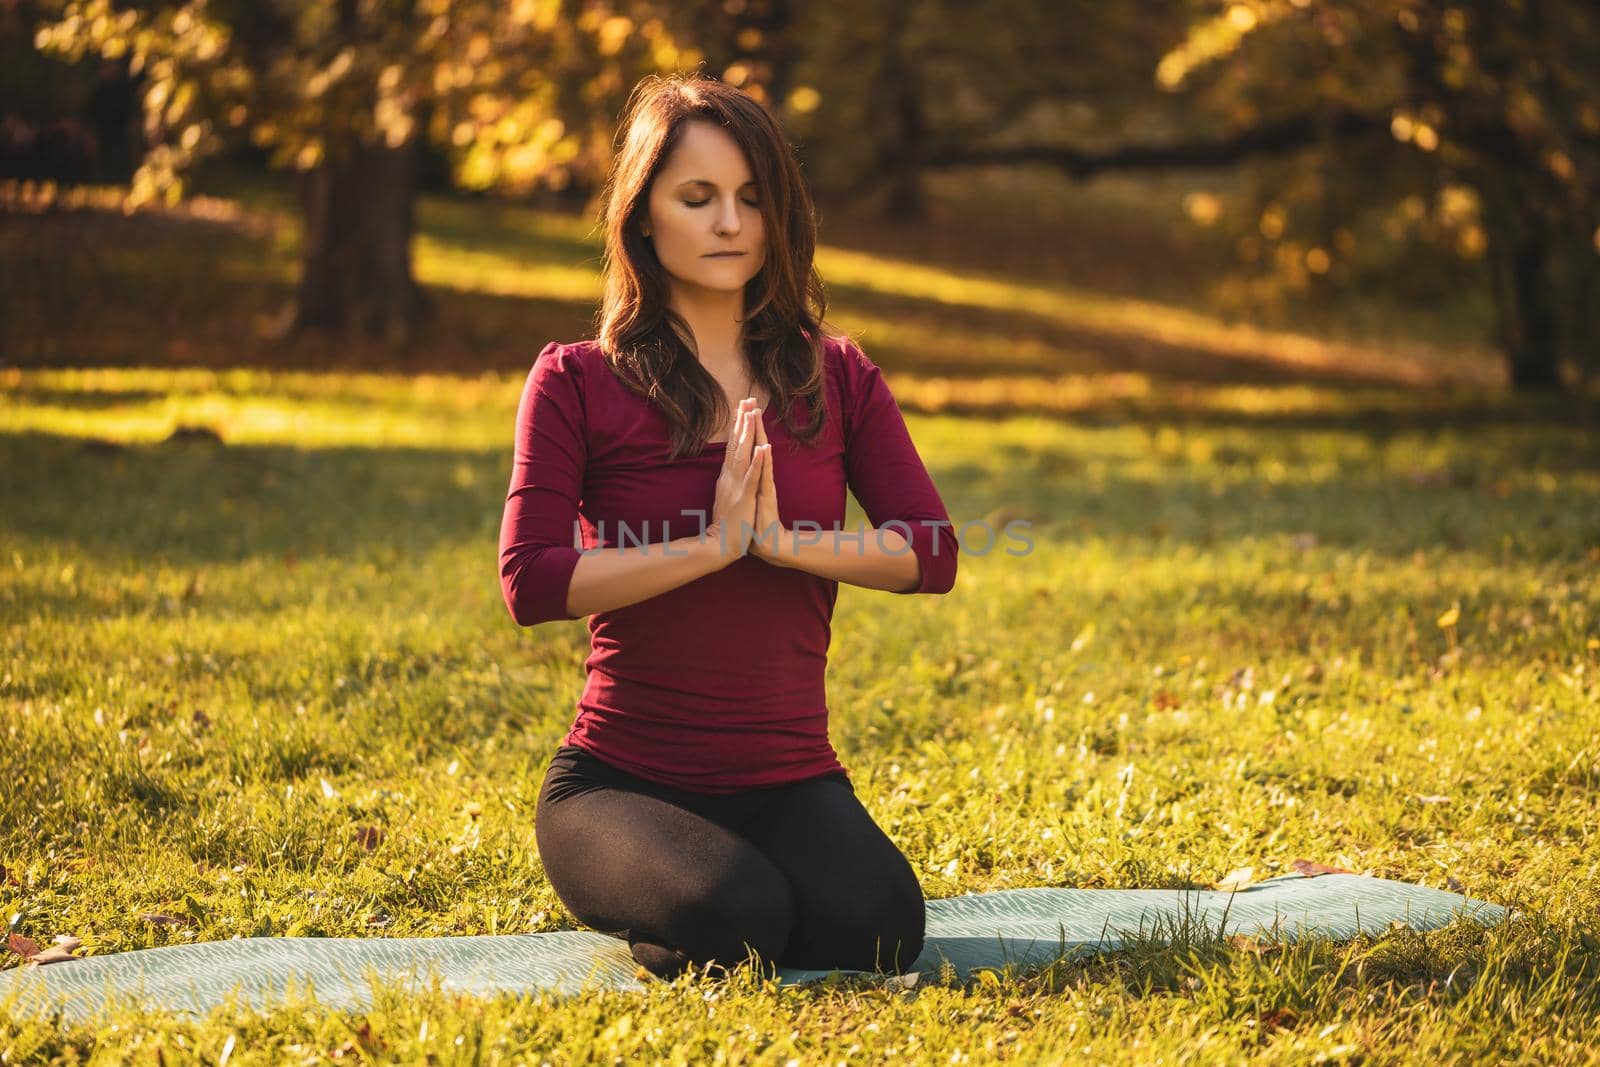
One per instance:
(259,679)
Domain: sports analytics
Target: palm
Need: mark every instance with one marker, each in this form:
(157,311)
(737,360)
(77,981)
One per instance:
(766,520)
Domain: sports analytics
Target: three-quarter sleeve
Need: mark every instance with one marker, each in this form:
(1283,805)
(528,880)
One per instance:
(888,477)
(537,553)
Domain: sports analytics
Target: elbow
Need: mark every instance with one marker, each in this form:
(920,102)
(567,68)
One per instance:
(534,584)
(936,550)
(943,578)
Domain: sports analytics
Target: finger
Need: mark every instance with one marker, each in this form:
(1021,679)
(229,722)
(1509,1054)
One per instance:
(748,439)
(753,471)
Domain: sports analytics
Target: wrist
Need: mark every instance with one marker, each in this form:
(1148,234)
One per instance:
(768,543)
(712,547)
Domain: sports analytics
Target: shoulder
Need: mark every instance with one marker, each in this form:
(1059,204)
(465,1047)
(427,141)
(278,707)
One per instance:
(563,365)
(847,367)
(569,357)
(852,373)
(844,354)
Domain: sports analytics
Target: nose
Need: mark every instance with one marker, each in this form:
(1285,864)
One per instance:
(728,217)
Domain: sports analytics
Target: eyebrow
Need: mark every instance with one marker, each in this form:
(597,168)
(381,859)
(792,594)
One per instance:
(702,181)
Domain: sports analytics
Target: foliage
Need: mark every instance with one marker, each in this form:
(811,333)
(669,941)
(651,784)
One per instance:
(523,93)
(1475,134)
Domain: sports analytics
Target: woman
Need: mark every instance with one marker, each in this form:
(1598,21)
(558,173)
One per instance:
(700,448)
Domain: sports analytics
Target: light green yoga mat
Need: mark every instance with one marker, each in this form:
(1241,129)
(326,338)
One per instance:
(1024,927)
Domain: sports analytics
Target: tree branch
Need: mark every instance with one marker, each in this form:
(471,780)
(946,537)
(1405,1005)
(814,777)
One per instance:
(1276,138)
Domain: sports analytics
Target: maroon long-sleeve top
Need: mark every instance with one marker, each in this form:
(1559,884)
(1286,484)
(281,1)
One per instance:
(718,685)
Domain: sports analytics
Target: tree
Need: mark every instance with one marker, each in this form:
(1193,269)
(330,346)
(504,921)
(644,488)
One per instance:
(1491,108)
(1466,130)
(1473,125)
(524,92)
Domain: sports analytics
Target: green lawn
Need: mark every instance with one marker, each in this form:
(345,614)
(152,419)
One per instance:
(227,658)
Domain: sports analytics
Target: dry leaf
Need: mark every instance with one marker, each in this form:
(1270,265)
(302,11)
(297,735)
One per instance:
(1278,1019)
(1311,870)
(1246,943)
(29,950)
(1236,880)
(368,837)
(904,981)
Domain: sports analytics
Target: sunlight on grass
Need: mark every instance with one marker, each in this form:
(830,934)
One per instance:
(267,687)
(258,679)
(1134,318)
(503,274)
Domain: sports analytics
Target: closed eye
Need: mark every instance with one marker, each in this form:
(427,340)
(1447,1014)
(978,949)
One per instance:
(703,203)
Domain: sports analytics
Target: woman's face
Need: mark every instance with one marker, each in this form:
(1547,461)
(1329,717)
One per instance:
(704,201)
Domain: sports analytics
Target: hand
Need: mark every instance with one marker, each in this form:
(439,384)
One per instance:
(733,513)
(769,530)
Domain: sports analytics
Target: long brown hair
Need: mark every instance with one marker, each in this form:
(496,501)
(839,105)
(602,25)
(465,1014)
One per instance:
(645,340)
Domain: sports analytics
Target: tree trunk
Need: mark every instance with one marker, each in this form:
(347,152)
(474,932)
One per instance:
(1525,295)
(355,274)
(902,145)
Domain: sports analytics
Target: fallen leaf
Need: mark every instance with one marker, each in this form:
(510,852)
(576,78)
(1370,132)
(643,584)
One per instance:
(1236,880)
(368,837)
(1311,870)
(904,981)
(1278,1018)
(1246,943)
(29,950)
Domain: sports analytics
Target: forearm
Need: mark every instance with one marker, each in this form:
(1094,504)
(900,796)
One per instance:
(610,578)
(874,558)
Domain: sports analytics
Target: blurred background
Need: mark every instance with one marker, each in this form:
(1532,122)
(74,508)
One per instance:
(1023,205)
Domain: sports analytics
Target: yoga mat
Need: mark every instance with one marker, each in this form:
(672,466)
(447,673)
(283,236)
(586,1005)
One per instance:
(1023,927)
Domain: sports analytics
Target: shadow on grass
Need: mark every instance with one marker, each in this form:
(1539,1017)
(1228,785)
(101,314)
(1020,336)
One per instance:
(99,289)
(199,501)
(980,341)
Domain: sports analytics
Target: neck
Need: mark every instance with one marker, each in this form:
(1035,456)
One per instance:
(714,319)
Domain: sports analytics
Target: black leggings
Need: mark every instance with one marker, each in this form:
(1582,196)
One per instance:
(799,874)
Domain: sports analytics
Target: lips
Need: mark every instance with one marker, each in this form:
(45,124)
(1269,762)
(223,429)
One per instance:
(722,255)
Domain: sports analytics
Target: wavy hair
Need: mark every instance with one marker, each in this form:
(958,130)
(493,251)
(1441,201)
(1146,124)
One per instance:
(644,340)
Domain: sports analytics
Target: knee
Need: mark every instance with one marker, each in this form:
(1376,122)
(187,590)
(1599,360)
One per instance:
(879,931)
(899,926)
(724,921)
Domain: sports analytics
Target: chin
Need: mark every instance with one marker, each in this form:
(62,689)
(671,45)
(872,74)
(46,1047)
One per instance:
(720,282)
